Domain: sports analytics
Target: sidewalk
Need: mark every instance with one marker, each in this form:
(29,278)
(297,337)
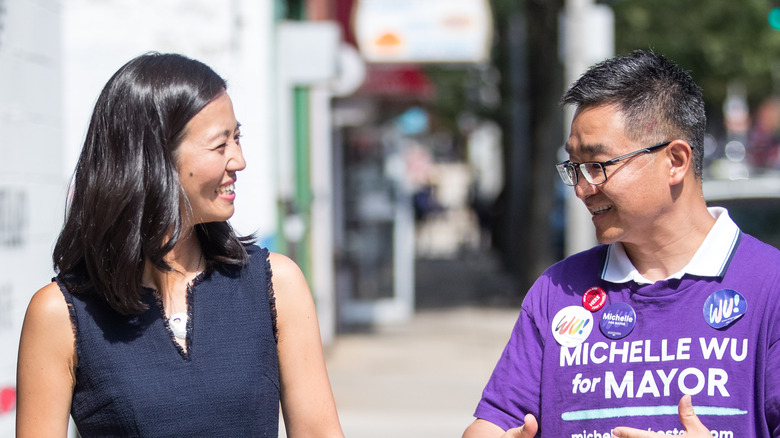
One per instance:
(424,378)
(421,379)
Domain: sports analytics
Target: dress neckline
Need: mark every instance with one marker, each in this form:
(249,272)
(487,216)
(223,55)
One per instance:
(185,352)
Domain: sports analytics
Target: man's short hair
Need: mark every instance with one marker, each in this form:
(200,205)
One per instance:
(659,100)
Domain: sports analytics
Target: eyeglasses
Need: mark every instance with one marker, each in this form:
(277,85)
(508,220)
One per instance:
(595,172)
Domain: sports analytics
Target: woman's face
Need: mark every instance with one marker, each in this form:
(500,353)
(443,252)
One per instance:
(208,158)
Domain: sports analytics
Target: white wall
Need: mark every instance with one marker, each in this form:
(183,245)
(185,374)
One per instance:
(32,188)
(234,37)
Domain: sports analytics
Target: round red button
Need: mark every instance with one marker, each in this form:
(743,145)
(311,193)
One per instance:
(594,298)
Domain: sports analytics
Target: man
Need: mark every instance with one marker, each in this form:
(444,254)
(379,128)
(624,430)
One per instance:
(676,302)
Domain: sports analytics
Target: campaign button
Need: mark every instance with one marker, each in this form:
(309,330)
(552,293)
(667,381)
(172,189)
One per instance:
(722,308)
(594,298)
(572,325)
(617,321)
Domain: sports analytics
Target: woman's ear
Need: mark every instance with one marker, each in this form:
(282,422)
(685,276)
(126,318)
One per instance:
(680,157)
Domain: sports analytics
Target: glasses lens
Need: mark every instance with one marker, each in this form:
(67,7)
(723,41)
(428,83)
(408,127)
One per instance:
(568,173)
(594,172)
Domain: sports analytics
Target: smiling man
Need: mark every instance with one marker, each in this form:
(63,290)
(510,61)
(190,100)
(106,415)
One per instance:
(675,304)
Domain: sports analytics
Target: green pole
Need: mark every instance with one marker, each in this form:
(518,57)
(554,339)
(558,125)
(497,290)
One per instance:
(301,203)
(303,194)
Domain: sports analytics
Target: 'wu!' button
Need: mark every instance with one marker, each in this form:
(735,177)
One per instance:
(572,326)
(723,308)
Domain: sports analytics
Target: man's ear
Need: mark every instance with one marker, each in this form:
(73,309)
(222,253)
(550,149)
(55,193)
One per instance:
(680,155)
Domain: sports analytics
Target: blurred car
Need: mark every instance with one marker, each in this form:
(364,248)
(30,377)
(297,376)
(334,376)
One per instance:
(754,204)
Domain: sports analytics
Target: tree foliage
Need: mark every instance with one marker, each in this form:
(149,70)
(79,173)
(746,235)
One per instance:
(718,41)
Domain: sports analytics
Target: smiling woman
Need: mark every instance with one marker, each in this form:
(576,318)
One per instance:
(159,308)
(208,159)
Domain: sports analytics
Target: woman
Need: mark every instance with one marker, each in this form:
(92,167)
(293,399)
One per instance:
(161,321)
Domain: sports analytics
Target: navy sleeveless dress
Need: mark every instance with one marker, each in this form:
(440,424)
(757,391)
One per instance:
(134,380)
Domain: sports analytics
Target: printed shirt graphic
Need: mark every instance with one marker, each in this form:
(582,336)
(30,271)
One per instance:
(587,389)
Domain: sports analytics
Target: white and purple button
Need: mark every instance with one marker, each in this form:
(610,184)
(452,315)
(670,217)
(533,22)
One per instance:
(617,321)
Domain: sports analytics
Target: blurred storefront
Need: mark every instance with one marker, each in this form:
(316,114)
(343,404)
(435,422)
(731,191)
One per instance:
(387,148)
(374,241)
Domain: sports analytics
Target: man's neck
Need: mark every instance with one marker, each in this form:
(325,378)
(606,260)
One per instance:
(671,247)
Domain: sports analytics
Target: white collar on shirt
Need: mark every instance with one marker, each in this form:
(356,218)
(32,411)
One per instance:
(710,260)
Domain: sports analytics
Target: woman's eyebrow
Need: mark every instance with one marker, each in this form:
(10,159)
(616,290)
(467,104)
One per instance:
(224,134)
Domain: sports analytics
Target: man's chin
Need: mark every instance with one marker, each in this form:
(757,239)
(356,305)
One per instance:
(606,238)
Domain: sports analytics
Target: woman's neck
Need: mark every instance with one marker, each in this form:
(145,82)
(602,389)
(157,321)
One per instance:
(186,261)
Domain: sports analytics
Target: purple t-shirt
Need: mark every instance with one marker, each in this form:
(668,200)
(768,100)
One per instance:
(686,336)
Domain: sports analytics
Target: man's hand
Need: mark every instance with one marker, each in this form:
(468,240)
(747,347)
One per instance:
(528,430)
(693,427)
(485,429)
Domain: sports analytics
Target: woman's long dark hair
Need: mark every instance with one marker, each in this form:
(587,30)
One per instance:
(127,198)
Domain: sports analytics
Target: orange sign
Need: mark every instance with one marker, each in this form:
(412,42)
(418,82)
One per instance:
(445,31)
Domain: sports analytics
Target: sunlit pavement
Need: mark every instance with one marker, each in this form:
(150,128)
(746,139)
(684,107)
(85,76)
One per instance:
(419,379)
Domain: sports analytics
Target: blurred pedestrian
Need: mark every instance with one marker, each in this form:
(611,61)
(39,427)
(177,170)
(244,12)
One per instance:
(763,151)
(675,302)
(161,321)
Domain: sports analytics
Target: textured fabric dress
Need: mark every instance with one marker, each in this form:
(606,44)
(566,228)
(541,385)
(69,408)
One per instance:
(134,380)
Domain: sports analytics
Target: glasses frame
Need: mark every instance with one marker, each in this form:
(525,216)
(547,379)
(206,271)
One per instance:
(562,166)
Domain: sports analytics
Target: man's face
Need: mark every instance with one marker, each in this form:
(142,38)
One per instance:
(632,201)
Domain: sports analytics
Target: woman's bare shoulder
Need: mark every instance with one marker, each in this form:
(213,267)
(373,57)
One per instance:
(48,302)
(282,264)
(48,318)
(289,283)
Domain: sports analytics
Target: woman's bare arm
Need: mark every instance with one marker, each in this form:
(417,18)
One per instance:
(45,371)
(307,399)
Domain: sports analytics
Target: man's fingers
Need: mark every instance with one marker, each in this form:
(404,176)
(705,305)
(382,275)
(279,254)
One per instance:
(688,417)
(627,432)
(528,430)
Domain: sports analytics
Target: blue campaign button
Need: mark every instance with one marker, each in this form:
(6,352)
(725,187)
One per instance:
(724,307)
(617,321)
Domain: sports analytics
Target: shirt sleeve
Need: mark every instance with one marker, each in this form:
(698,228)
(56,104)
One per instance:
(515,385)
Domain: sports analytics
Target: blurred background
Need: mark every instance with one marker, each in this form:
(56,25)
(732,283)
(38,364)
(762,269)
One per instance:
(400,151)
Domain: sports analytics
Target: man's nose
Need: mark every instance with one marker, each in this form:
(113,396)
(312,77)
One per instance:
(584,188)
